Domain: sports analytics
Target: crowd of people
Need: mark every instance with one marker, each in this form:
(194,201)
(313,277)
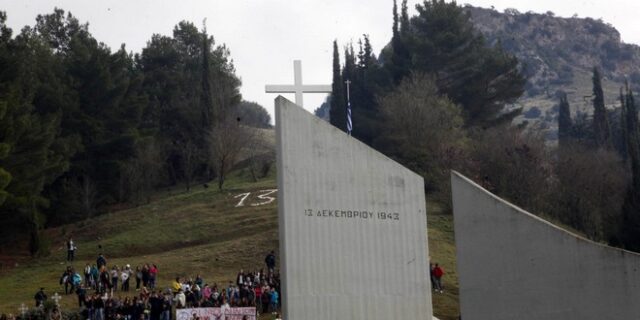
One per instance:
(102,279)
(103,292)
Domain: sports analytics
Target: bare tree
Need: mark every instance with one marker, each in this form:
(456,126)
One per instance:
(190,159)
(227,141)
(140,174)
(261,154)
(513,164)
(588,190)
(88,195)
(424,130)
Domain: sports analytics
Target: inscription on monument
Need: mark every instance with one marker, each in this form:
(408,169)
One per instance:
(352,214)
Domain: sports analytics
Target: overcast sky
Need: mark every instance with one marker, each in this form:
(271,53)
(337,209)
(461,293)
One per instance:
(265,36)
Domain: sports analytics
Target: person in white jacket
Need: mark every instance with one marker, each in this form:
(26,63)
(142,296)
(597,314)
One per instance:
(180,299)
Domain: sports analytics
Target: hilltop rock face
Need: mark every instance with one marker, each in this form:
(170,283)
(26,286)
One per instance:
(558,55)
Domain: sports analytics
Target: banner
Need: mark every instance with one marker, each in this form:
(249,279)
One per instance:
(216,313)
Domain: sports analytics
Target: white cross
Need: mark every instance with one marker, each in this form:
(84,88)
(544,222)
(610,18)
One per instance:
(56,298)
(23,309)
(298,88)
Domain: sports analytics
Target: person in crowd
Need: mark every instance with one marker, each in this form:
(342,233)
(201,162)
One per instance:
(137,308)
(166,307)
(437,276)
(431,276)
(155,303)
(126,310)
(270,261)
(82,295)
(40,297)
(65,280)
(197,294)
(257,291)
(180,299)
(145,275)
(95,277)
(176,285)
(153,274)
(266,299)
(190,298)
(101,261)
(76,280)
(215,295)
(240,278)
(114,278)
(105,283)
(124,278)
(71,249)
(206,291)
(274,300)
(138,277)
(199,281)
(87,274)
(98,307)
(224,308)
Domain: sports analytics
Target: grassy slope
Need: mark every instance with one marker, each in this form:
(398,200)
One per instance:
(200,232)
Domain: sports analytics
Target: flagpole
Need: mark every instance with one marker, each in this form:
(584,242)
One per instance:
(349,123)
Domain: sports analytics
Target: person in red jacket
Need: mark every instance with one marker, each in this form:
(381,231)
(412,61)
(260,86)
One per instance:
(437,275)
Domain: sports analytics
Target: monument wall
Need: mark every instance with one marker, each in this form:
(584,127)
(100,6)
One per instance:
(514,265)
(353,239)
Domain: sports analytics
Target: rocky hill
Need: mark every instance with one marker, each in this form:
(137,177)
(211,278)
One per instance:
(558,55)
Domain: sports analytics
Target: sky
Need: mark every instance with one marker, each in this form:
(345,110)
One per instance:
(265,36)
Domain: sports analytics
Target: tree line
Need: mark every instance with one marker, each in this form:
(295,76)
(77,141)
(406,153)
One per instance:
(83,127)
(440,97)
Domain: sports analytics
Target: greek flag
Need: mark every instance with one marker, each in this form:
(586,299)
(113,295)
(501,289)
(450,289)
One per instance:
(349,124)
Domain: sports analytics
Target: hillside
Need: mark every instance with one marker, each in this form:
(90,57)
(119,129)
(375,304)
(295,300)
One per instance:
(185,234)
(558,55)
(204,231)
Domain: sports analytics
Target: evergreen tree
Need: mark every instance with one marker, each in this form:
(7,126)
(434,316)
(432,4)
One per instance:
(404,19)
(601,129)
(400,60)
(396,20)
(631,206)
(207,101)
(30,155)
(363,90)
(482,79)
(565,125)
(338,111)
(624,146)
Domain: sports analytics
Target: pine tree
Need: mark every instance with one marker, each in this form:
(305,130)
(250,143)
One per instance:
(481,78)
(396,20)
(338,111)
(564,121)
(363,91)
(31,153)
(404,19)
(631,206)
(601,129)
(624,147)
(400,61)
(208,115)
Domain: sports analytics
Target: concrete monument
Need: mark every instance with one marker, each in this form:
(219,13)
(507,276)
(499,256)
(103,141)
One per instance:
(514,265)
(353,239)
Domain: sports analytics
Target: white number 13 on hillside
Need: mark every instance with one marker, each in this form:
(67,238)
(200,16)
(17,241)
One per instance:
(263,195)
